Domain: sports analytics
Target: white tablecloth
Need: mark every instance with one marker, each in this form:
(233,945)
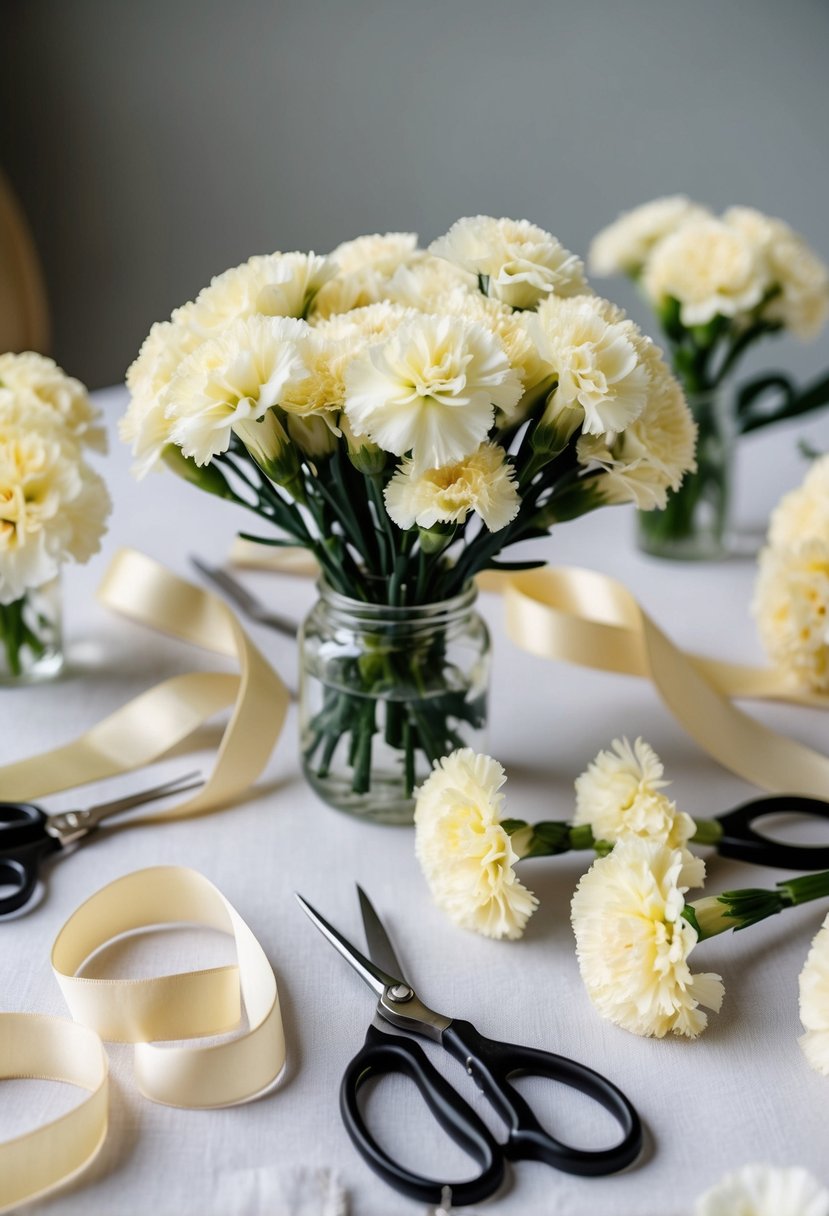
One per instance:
(742,1092)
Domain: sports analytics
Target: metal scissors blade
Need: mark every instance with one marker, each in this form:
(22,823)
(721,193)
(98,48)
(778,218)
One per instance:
(377,979)
(243,599)
(177,785)
(380,950)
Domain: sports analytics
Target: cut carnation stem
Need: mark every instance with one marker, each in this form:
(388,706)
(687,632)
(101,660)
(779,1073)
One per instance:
(549,838)
(738,909)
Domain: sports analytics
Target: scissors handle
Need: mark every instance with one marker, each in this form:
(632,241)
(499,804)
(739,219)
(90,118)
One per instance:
(492,1063)
(383,1053)
(19,866)
(741,840)
(20,823)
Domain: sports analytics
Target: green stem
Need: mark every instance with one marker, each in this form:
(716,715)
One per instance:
(708,831)
(738,909)
(12,628)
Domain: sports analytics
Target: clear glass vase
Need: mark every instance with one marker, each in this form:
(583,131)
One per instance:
(384,692)
(695,523)
(31,639)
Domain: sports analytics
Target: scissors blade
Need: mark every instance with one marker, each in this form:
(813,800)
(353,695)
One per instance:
(377,979)
(380,950)
(244,600)
(178,785)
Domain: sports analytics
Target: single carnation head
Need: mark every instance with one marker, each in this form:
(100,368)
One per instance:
(633,942)
(464,852)
(516,261)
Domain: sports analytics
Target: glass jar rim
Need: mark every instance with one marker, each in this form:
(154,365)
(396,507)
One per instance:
(435,612)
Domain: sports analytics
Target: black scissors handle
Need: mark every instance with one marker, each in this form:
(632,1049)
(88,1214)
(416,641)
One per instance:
(383,1053)
(741,840)
(19,867)
(492,1064)
(20,823)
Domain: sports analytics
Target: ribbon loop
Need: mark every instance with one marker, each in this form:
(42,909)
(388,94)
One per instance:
(52,1049)
(168,1007)
(150,725)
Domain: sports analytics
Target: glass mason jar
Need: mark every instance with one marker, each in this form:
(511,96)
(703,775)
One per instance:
(386,691)
(31,640)
(694,525)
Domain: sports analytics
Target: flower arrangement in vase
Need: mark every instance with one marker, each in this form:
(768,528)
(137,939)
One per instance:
(718,285)
(53,506)
(407,415)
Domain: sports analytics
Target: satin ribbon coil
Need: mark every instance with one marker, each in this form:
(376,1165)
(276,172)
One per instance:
(150,725)
(145,1012)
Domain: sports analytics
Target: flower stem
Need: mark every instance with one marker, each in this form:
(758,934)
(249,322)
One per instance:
(739,909)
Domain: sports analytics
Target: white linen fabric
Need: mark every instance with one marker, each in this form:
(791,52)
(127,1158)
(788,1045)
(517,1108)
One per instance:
(743,1092)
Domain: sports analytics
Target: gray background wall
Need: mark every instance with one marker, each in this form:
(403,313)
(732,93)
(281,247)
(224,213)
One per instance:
(156,142)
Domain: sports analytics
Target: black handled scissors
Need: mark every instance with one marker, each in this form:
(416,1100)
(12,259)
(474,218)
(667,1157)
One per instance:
(28,835)
(490,1063)
(734,835)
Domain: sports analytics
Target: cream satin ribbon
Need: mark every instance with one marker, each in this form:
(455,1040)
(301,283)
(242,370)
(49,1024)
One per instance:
(52,1049)
(579,616)
(187,1005)
(147,727)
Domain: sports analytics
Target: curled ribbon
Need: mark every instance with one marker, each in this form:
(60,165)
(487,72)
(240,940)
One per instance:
(144,1012)
(153,723)
(188,1005)
(583,617)
(52,1049)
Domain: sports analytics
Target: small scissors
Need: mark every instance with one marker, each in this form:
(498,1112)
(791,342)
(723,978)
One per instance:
(28,835)
(734,835)
(488,1062)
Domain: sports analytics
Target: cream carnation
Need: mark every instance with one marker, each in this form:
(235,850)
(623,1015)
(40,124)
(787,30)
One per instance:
(791,607)
(593,353)
(145,425)
(364,269)
(710,268)
(238,375)
(482,482)
(514,330)
(633,943)
(802,302)
(465,854)
(521,263)
(623,246)
(364,325)
(32,377)
(803,513)
(271,285)
(814,1001)
(430,389)
(765,1190)
(653,454)
(53,507)
(620,794)
(321,390)
(427,282)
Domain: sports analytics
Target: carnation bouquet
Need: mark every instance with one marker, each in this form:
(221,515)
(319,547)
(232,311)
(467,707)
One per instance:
(53,506)
(407,415)
(718,285)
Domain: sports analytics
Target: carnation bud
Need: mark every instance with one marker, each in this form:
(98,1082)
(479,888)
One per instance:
(366,456)
(268,443)
(437,538)
(312,435)
(207,476)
